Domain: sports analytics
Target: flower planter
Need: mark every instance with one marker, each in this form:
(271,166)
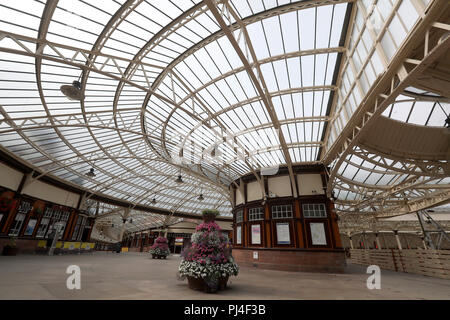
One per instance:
(160,248)
(207,263)
(200,284)
(9,251)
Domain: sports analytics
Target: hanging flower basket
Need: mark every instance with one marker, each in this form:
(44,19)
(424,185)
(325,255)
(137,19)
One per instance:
(207,263)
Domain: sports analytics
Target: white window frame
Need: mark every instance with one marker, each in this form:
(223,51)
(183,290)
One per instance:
(77,227)
(314,210)
(287,213)
(43,225)
(239,216)
(48,212)
(82,227)
(17,224)
(255,214)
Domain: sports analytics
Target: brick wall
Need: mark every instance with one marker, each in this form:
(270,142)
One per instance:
(138,249)
(292,260)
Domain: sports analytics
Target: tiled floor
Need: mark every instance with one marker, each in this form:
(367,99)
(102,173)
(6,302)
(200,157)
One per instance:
(136,276)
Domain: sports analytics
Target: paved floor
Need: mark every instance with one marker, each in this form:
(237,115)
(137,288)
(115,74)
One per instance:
(135,276)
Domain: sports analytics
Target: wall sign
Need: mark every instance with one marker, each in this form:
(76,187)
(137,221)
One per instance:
(238,235)
(179,241)
(256,234)
(283,236)
(318,236)
(30,227)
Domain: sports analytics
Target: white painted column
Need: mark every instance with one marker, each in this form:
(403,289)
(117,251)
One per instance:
(378,241)
(124,217)
(424,244)
(399,244)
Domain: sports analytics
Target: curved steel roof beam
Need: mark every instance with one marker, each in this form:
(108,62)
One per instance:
(377,100)
(408,165)
(258,81)
(262,61)
(70,61)
(120,15)
(163,33)
(201,122)
(214,116)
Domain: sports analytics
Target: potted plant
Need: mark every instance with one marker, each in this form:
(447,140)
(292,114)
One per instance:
(207,263)
(160,249)
(209,215)
(11,248)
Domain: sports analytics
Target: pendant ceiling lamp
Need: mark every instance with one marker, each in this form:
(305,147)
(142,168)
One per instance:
(91,173)
(73,91)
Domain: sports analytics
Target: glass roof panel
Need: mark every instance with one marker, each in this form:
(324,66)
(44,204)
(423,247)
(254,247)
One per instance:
(158,71)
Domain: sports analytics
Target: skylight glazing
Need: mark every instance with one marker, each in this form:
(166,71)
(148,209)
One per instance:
(166,92)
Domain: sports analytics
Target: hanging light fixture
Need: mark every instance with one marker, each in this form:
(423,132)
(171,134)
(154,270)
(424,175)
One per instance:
(91,173)
(154,201)
(73,91)
(200,197)
(179,179)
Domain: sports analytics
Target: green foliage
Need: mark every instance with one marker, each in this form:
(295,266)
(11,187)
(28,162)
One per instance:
(210,212)
(12,242)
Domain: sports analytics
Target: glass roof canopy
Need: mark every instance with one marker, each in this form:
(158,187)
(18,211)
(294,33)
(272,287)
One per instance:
(123,131)
(166,92)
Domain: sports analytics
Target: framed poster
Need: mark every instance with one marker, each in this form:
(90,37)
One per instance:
(256,234)
(283,236)
(318,236)
(30,227)
(238,235)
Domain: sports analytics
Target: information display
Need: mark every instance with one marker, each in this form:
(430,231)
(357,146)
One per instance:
(30,227)
(283,236)
(256,234)
(238,235)
(318,236)
(179,241)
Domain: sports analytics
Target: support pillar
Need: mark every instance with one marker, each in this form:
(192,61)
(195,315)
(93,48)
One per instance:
(399,244)
(364,242)
(424,244)
(125,215)
(378,241)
